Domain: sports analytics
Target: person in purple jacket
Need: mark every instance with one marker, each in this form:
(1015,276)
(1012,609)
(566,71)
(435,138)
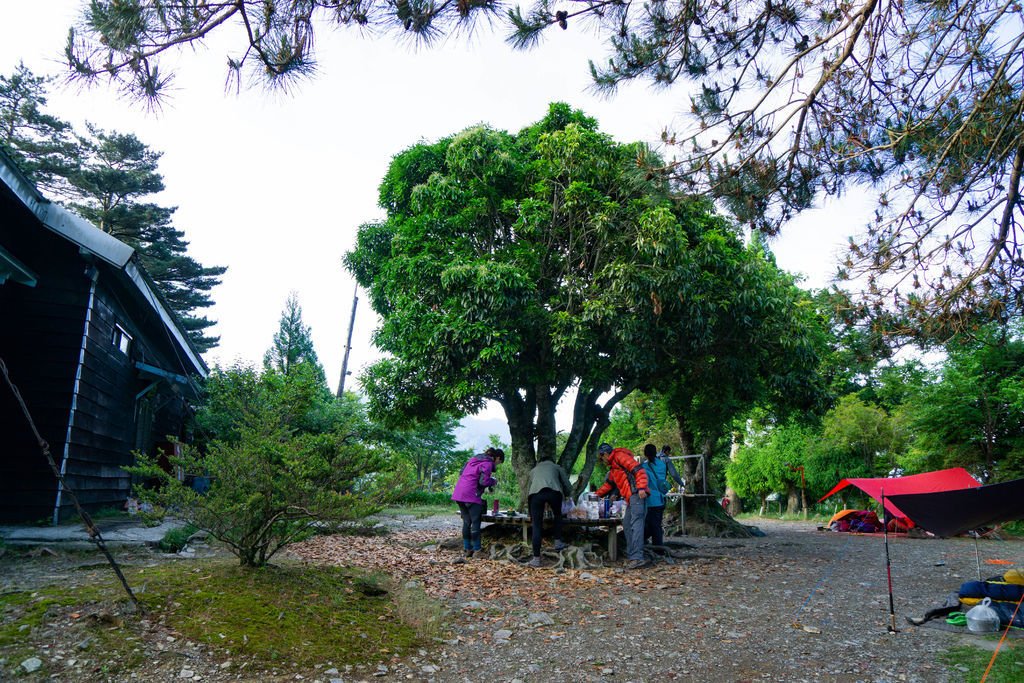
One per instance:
(477,475)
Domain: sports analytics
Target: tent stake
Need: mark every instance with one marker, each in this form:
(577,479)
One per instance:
(888,567)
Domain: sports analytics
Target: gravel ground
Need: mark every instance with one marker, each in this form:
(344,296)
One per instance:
(794,605)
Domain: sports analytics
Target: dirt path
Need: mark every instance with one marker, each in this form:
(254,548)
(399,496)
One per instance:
(795,605)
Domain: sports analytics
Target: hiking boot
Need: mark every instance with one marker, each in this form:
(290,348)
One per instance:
(535,563)
(636,564)
(468,554)
(561,545)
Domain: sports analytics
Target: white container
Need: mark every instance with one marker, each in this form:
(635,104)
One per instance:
(982,619)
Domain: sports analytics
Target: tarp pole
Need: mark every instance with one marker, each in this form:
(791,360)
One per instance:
(888,567)
(977,553)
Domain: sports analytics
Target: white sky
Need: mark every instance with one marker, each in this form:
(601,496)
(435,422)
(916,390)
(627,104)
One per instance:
(274,186)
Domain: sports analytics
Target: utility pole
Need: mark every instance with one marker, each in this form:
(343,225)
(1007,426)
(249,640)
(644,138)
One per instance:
(348,343)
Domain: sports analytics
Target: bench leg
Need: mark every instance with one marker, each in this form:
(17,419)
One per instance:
(526,533)
(613,544)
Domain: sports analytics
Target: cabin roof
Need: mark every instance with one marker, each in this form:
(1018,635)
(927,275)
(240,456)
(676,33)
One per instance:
(91,240)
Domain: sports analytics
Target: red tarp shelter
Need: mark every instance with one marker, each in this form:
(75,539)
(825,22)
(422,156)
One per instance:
(929,482)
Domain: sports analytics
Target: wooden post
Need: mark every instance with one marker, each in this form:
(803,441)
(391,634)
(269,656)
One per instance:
(682,514)
(348,344)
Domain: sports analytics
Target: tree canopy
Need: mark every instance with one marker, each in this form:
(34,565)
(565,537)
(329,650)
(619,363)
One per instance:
(516,268)
(922,101)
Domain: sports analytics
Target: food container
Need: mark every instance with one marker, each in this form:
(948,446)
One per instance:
(982,619)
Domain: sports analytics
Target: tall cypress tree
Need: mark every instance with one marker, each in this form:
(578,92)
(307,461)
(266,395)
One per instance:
(293,342)
(44,145)
(117,172)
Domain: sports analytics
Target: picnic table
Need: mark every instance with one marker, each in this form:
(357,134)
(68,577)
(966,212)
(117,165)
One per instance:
(611,524)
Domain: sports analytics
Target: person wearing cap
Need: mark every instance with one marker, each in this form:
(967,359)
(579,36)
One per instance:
(626,476)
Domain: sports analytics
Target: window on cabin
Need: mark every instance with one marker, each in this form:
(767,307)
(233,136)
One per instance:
(122,340)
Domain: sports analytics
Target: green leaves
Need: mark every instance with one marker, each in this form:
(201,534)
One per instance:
(511,267)
(280,453)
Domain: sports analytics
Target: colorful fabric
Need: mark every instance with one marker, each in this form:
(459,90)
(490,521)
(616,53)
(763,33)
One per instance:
(929,482)
(997,590)
(475,477)
(857,521)
(657,474)
(624,475)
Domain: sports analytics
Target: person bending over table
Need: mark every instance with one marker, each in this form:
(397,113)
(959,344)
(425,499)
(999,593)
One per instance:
(476,476)
(549,484)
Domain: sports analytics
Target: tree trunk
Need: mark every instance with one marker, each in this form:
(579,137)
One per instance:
(531,417)
(686,439)
(735,505)
(792,500)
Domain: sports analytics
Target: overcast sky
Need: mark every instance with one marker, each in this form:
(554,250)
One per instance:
(274,186)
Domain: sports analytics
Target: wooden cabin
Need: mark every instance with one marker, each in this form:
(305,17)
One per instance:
(103,366)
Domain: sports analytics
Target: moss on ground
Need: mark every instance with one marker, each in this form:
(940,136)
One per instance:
(273,617)
(281,614)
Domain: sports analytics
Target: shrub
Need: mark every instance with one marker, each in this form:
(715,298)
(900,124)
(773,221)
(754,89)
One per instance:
(176,539)
(282,456)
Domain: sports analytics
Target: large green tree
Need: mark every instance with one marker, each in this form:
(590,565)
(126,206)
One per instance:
(45,146)
(972,415)
(763,347)
(923,101)
(517,268)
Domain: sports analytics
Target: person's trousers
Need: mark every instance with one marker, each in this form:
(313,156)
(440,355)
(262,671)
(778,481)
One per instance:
(653,526)
(633,527)
(537,502)
(471,514)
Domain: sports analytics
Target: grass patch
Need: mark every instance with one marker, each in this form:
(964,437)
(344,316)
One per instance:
(176,539)
(967,663)
(422,511)
(282,615)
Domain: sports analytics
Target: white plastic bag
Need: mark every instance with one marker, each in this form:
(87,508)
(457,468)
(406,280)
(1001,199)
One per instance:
(982,619)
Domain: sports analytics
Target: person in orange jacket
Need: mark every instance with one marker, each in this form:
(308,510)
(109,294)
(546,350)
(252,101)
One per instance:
(627,477)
